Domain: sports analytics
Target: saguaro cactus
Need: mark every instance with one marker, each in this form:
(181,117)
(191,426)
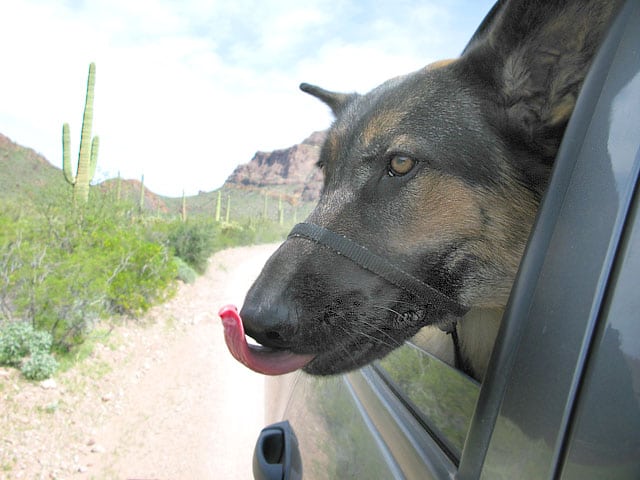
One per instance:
(265,207)
(88,154)
(141,200)
(183,210)
(218,203)
(118,187)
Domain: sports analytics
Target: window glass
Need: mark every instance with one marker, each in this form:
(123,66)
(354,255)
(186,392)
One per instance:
(440,396)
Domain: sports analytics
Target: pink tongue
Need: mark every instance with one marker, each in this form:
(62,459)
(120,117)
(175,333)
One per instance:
(258,359)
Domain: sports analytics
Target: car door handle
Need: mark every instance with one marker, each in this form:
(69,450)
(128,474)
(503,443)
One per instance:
(276,456)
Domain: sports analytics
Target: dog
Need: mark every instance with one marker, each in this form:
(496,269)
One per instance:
(439,172)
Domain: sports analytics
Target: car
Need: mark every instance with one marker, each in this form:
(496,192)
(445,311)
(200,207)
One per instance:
(561,398)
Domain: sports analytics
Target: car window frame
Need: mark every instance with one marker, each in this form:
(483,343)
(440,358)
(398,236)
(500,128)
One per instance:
(517,324)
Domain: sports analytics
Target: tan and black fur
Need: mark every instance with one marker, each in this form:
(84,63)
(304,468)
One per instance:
(480,134)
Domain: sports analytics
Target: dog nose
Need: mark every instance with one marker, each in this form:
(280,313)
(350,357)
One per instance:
(271,326)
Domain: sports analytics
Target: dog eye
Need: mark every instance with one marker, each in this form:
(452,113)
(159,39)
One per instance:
(400,165)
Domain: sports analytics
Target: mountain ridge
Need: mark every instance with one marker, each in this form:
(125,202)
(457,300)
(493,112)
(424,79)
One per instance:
(294,166)
(288,174)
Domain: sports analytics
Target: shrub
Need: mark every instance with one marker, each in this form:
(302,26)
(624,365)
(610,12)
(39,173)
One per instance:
(71,267)
(14,343)
(22,346)
(39,341)
(39,366)
(185,272)
(251,232)
(62,268)
(193,243)
(145,276)
(70,297)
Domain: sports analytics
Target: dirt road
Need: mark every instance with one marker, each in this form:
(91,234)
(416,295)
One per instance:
(165,401)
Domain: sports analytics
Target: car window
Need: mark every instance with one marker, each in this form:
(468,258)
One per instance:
(441,397)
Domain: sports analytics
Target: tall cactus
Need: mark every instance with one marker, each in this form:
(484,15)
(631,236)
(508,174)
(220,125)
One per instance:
(141,200)
(228,209)
(265,207)
(88,154)
(218,203)
(183,209)
(118,187)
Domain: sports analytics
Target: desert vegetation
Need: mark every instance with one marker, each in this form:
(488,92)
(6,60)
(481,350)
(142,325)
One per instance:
(64,268)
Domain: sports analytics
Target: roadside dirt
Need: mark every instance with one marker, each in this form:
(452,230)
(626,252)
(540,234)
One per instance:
(162,399)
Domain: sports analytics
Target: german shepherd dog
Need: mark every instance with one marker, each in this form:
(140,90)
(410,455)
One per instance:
(440,172)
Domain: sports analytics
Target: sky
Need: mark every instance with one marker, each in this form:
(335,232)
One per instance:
(187,90)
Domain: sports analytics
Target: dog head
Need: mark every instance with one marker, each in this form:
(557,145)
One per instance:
(440,172)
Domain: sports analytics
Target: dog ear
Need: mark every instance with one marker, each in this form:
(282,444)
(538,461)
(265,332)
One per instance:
(535,54)
(487,24)
(336,101)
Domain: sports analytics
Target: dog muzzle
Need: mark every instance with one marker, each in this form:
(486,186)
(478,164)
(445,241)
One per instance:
(378,265)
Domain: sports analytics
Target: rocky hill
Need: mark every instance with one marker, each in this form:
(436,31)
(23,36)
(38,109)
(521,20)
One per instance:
(288,175)
(24,172)
(294,167)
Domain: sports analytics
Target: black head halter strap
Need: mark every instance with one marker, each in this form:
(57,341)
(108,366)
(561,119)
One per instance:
(391,273)
(377,265)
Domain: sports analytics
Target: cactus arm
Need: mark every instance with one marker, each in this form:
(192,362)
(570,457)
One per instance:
(66,155)
(93,161)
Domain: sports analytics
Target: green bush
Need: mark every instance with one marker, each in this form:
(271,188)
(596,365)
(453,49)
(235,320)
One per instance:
(14,343)
(39,366)
(62,269)
(71,267)
(145,278)
(22,346)
(249,232)
(185,272)
(194,243)
(69,297)
(39,341)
